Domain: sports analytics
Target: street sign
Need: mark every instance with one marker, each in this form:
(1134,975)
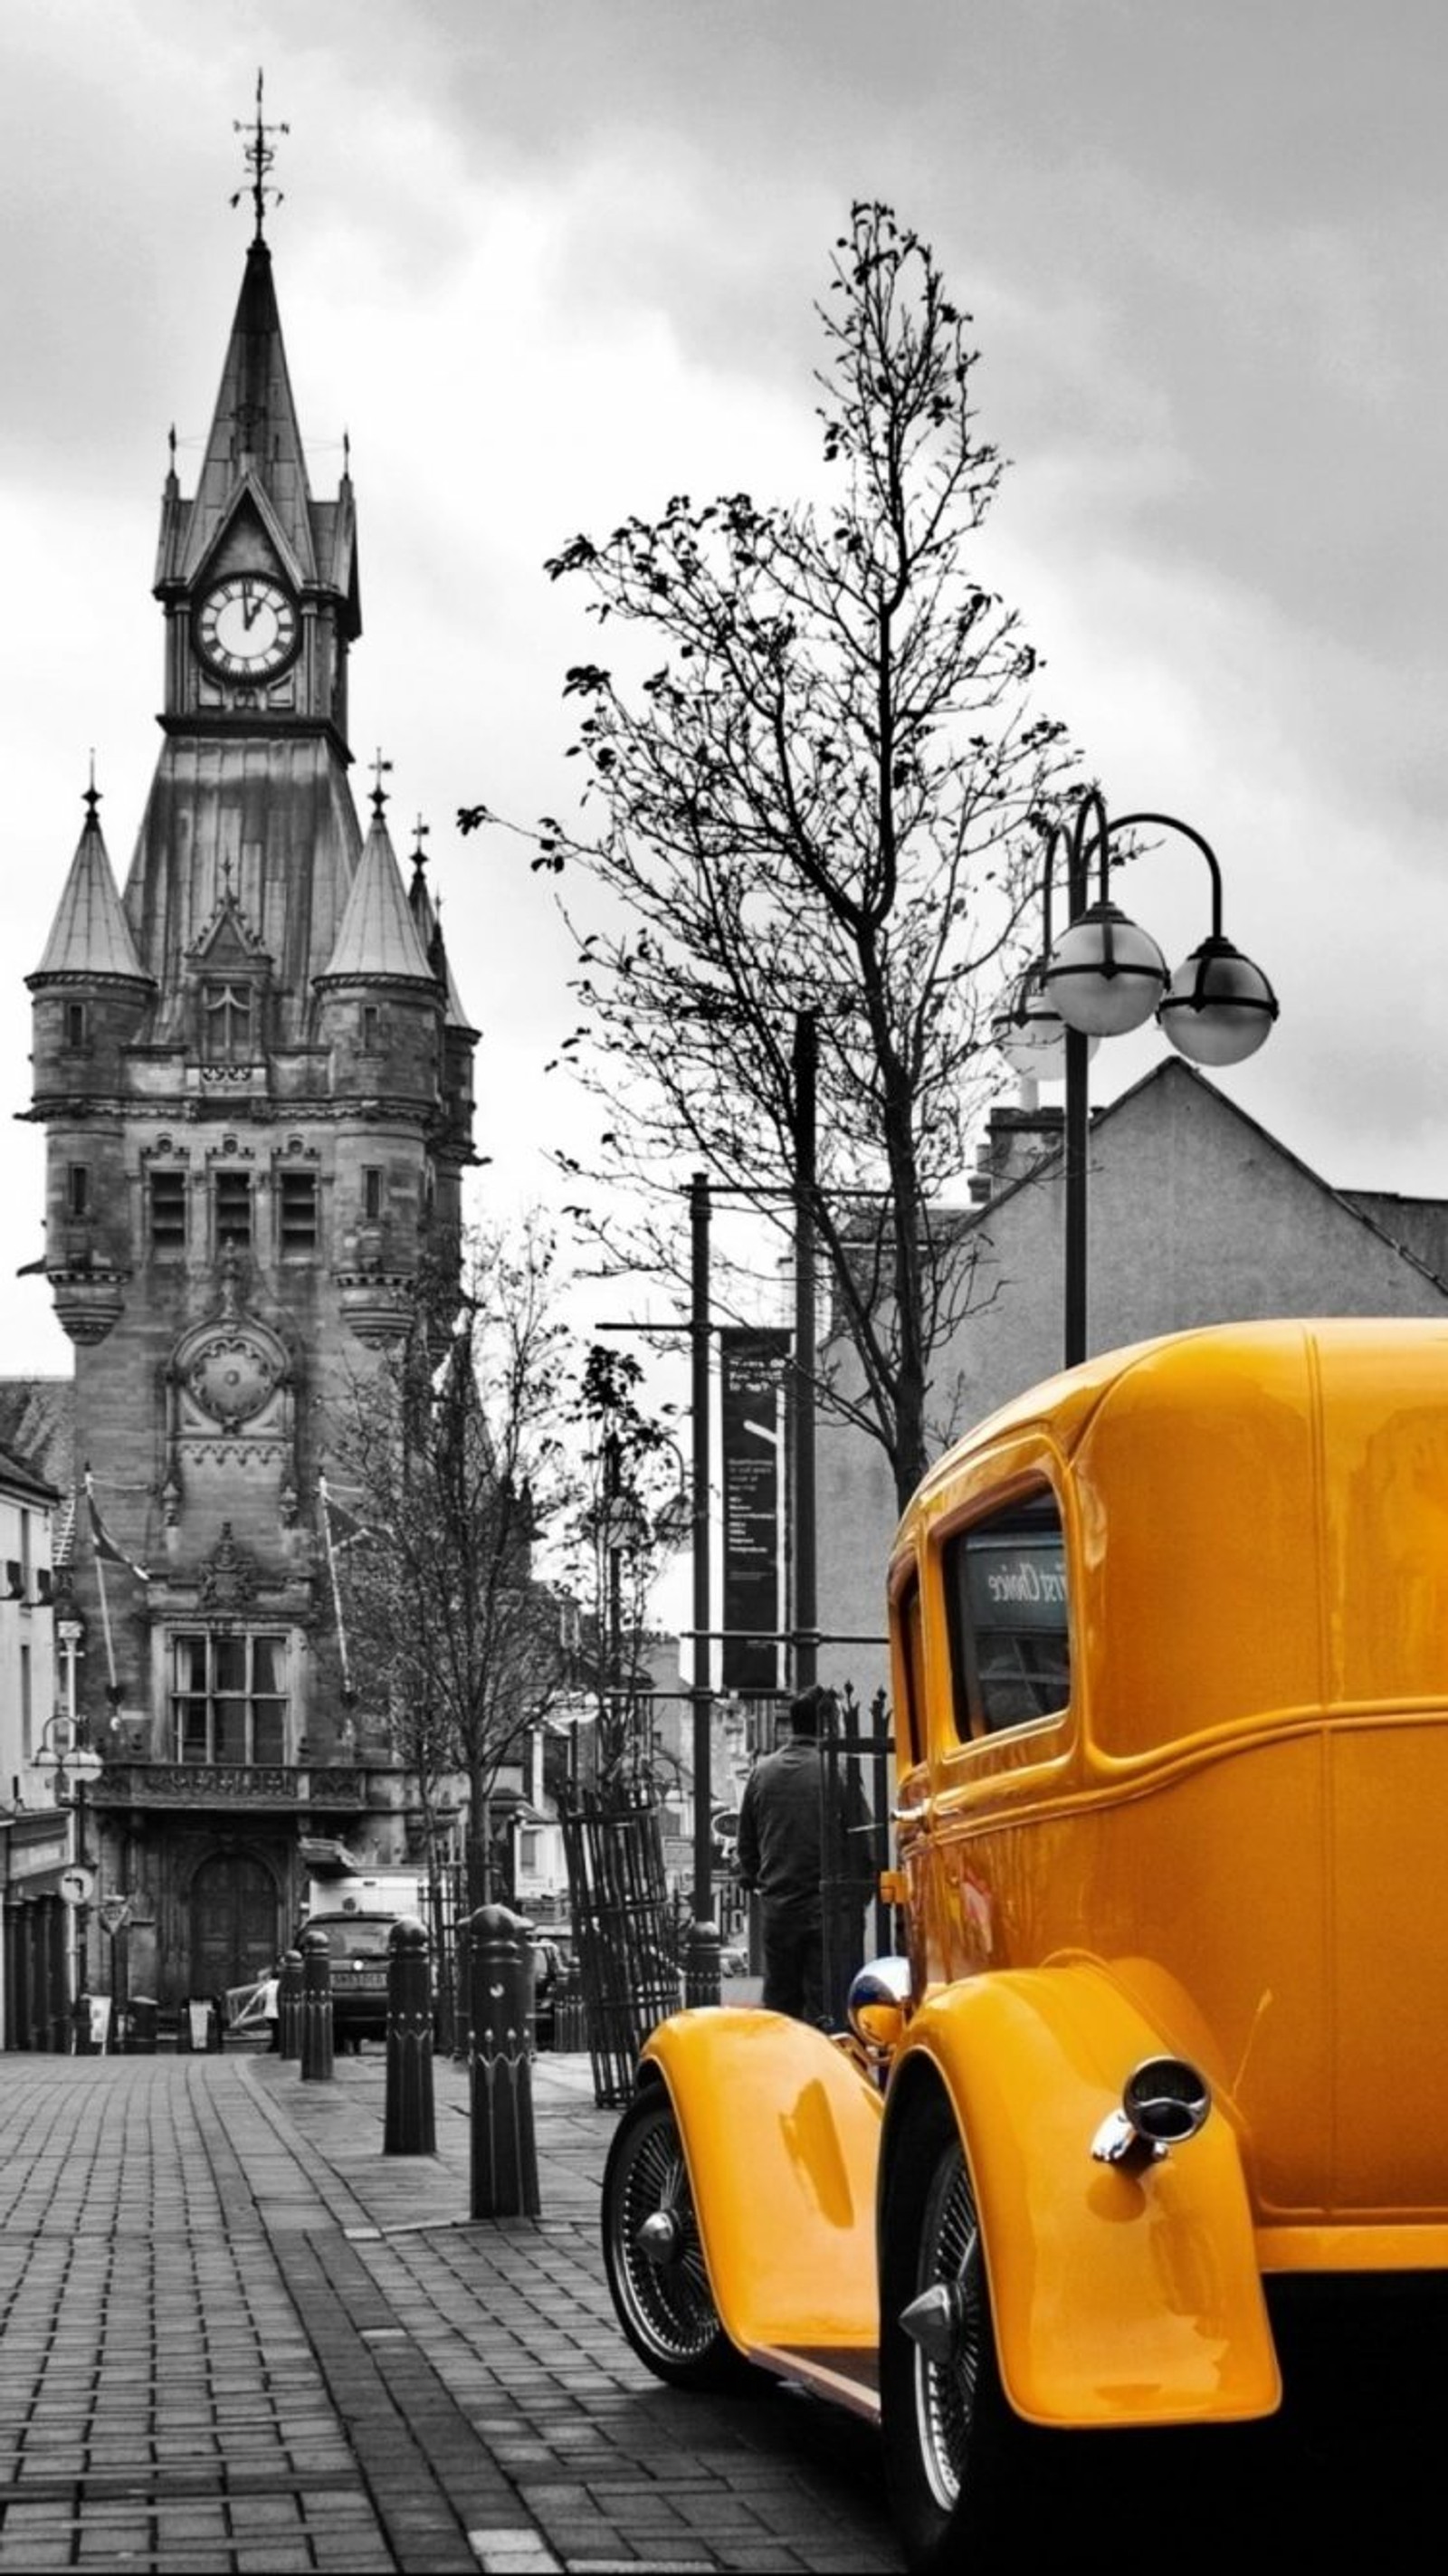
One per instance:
(115,1912)
(77,1886)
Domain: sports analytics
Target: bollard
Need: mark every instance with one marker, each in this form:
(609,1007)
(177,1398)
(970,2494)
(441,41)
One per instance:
(462,1994)
(316,2009)
(409,2124)
(504,2151)
(289,2004)
(701,1964)
(141,2027)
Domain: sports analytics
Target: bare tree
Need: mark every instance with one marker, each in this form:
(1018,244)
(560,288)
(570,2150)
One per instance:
(449,1461)
(816,804)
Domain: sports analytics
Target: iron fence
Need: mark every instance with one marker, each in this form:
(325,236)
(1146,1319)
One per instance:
(623,1933)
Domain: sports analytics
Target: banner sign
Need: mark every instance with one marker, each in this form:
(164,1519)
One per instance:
(751,1378)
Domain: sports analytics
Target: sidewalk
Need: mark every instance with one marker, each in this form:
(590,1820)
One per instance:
(239,2337)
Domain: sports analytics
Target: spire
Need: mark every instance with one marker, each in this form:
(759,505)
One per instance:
(427,920)
(255,438)
(376,936)
(90,937)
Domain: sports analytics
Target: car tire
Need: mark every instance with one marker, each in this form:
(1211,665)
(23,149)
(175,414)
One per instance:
(954,2450)
(664,2302)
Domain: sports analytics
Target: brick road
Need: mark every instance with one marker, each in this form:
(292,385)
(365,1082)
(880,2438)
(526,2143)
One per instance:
(236,2336)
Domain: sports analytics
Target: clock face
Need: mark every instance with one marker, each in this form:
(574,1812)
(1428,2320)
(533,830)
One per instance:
(247,626)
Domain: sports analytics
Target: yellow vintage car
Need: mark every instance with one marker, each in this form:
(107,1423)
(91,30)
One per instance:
(1170,1655)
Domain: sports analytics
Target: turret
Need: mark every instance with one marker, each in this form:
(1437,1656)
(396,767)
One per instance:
(91,997)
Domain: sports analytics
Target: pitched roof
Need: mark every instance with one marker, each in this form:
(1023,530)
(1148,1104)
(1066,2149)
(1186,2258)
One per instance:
(37,1419)
(377,936)
(90,937)
(255,435)
(427,916)
(1364,1207)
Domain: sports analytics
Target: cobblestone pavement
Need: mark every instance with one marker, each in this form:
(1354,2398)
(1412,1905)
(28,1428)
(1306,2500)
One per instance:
(237,2336)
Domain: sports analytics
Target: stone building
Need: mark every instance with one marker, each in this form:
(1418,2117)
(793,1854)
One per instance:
(254,1075)
(1197,1216)
(38,1823)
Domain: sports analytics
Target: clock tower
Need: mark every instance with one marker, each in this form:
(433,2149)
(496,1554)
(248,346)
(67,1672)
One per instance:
(255,1078)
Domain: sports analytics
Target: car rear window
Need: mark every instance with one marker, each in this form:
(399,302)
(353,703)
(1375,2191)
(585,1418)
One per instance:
(357,1938)
(1006,1592)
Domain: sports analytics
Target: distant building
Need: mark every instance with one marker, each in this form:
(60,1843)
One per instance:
(254,1075)
(1197,1215)
(37,1822)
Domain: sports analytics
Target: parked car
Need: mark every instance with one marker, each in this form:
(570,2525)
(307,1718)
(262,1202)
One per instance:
(1170,1657)
(357,1944)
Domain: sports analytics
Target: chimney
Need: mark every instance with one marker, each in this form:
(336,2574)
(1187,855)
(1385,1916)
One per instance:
(1018,1138)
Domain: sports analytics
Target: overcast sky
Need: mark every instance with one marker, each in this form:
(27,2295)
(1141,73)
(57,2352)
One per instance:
(548,261)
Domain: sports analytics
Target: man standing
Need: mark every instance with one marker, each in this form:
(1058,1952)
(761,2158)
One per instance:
(790,1849)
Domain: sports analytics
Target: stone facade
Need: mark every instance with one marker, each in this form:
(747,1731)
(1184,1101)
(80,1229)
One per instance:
(255,1080)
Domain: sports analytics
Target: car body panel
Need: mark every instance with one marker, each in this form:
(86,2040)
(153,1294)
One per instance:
(781,2135)
(1121,2293)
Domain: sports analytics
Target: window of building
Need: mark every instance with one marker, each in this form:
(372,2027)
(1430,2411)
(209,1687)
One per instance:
(227,1023)
(371,1028)
(229,1697)
(233,1207)
(26,1551)
(77,1024)
(77,1189)
(27,1712)
(168,1213)
(371,1192)
(297,1200)
(1005,1584)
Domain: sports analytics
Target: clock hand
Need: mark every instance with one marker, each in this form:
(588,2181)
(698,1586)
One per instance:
(250,605)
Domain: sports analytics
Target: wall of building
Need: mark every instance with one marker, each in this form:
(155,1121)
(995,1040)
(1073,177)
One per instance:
(1197,1216)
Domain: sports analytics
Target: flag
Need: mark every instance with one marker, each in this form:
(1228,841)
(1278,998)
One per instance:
(343,1528)
(102,1543)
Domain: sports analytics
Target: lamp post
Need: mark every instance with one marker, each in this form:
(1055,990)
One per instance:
(1105,976)
(63,1745)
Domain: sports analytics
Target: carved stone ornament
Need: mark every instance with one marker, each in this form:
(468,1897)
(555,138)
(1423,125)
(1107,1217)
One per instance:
(232,1375)
(229,1371)
(229,1578)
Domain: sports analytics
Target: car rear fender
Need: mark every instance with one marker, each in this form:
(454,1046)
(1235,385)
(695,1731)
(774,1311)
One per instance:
(780,2134)
(1122,2293)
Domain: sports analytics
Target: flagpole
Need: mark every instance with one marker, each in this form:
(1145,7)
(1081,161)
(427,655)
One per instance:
(100,1567)
(336,1592)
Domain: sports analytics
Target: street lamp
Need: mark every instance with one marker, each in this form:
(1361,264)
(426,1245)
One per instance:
(1105,976)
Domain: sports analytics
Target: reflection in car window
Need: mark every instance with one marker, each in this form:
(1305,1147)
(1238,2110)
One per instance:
(912,1643)
(1005,1584)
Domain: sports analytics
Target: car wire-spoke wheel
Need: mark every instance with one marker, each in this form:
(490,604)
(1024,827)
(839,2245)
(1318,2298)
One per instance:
(947,2390)
(953,2447)
(654,2257)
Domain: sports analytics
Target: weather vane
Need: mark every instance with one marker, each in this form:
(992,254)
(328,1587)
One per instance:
(380,768)
(420,832)
(261,154)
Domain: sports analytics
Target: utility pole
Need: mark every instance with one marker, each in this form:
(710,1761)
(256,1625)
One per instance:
(702,1964)
(802,1394)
